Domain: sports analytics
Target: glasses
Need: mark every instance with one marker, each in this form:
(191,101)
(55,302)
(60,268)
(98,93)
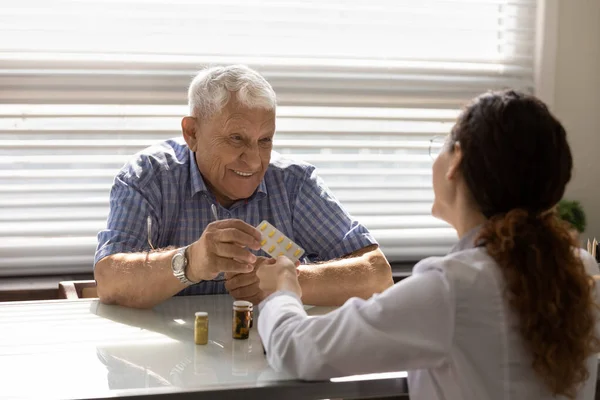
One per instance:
(436,145)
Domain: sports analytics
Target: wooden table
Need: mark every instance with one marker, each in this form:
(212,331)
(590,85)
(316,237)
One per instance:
(84,349)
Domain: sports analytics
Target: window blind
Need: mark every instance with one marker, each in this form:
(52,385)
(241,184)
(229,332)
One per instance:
(361,86)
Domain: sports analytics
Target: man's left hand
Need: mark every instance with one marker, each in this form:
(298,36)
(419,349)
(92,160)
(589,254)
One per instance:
(245,286)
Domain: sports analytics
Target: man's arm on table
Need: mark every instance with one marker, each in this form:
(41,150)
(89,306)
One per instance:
(143,280)
(140,280)
(360,274)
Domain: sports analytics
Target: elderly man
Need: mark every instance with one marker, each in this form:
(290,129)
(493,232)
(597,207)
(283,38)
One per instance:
(162,238)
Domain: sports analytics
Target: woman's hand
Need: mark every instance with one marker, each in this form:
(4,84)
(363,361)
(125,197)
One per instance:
(279,275)
(246,286)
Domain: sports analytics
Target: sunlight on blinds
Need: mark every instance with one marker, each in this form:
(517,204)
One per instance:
(361,86)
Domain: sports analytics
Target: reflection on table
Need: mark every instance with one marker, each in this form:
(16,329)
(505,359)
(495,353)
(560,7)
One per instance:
(84,349)
(175,360)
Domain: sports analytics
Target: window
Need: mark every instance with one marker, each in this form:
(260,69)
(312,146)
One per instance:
(362,86)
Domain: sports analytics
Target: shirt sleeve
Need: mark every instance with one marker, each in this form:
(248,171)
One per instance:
(134,196)
(407,327)
(322,226)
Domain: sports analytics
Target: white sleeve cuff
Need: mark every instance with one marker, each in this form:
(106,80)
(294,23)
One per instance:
(275,308)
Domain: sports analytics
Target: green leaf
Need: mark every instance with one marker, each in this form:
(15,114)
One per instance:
(572,212)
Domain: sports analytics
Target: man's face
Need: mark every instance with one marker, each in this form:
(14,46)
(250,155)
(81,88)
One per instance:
(233,149)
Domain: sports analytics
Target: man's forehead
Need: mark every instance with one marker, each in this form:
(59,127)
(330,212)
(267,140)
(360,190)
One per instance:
(247,116)
(234,106)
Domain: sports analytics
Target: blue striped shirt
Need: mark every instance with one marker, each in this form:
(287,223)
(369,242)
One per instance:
(163,182)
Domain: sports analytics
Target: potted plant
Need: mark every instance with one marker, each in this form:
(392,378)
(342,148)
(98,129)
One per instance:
(572,212)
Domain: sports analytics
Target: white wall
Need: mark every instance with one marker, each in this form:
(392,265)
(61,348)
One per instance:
(576,99)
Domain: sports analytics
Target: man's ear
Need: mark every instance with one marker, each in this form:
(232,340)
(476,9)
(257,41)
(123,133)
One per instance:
(454,164)
(188,127)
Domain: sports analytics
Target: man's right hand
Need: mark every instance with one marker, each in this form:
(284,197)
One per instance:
(223,247)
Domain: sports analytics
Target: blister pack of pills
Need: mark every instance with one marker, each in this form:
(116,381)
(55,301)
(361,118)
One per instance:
(276,244)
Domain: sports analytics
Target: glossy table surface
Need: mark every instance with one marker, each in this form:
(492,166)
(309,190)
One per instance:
(84,349)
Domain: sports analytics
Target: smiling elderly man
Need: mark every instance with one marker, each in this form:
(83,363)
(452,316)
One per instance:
(162,239)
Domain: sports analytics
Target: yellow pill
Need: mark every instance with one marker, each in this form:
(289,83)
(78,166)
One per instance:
(279,255)
(263,226)
(271,233)
(264,241)
(271,249)
(297,252)
(289,246)
(280,240)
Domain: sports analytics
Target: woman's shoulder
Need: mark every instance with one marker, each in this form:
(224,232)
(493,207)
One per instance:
(475,263)
(470,261)
(471,273)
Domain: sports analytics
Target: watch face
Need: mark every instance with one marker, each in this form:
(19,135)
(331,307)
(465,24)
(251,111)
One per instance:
(178,263)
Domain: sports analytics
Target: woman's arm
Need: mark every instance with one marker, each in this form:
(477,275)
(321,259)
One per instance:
(409,326)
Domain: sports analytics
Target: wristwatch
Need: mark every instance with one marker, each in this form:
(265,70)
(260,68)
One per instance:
(179,263)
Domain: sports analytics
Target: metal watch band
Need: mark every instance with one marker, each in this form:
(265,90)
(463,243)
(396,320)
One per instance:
(181,275)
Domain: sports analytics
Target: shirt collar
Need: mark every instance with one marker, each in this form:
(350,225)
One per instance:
(467,241)
(198,185)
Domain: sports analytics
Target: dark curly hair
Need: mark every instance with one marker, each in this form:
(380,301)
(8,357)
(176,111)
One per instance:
(516,162)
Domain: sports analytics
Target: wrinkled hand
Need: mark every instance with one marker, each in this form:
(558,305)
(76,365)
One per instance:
(223,247)
(279,275)
(246,286)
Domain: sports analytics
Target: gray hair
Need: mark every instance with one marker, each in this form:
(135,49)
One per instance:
(211,90)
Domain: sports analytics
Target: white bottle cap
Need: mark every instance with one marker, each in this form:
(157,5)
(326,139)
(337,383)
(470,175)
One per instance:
(242,304)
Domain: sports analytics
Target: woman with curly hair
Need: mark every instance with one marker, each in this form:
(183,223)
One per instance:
(509,313)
